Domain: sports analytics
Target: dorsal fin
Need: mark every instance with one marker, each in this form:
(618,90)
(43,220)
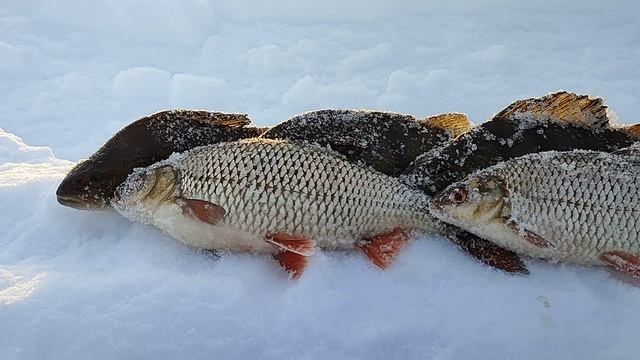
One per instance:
(634,130)
(561,107)
(455,123)
(208,117)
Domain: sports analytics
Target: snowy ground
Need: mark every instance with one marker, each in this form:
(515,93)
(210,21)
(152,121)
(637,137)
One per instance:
(79,285)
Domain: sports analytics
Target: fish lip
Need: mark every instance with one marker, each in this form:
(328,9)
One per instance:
(76,202)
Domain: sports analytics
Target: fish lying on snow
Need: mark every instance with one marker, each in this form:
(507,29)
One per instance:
(577,206)
(386,141)
(91,183)
(277,197)
(561,121)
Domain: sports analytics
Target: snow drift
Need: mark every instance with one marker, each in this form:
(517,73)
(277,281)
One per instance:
(79,285)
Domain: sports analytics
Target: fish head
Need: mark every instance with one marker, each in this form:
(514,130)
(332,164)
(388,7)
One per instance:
(477,201)
(88,186)
(145,190)
(91,183)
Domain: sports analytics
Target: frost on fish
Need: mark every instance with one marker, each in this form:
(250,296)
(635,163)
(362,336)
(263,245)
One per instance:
(561,121)
(385,141)
(237,196)
(577,206)
(91,183)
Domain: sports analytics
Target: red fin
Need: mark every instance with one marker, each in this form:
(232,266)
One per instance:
(634,130)
(201,210)
(292,262)
(488,252)
(530,236)
(383,249)
(293,243)
(622,261)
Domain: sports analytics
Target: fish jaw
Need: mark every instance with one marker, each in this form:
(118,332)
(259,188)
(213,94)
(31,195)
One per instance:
(497,231)
(139,197)
(83,188)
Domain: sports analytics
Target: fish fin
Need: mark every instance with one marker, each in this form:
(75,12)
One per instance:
(622,261)
(529,235)
(560,107)
(225,119)
(214,118)
(383,249)
(201,210)
(634,130)
(292,263)
(455,123)
(292,243)
(488,253)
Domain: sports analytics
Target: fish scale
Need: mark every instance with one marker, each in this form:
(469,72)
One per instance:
(584,203)
(271,186)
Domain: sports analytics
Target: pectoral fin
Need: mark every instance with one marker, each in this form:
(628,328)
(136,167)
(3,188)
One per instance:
(383,249)
(201,210)
(622,261)
(488,253)
(529,235)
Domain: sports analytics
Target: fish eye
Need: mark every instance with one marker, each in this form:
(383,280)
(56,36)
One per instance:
(458,196)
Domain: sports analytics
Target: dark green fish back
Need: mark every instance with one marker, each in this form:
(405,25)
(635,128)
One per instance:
(385,141)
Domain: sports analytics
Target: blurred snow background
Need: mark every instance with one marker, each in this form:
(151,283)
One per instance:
(79,285)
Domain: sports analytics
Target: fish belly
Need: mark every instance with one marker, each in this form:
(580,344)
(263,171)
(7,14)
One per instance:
(170,219)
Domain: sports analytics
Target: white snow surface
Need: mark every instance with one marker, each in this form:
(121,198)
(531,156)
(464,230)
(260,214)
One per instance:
(92,285)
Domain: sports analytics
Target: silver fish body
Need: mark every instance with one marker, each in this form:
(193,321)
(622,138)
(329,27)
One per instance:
(268,187)
(577,206)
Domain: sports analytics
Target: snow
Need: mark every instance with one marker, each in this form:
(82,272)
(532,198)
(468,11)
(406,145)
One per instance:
(79,285)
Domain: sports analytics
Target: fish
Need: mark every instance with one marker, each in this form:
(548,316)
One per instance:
(276,197)
(576,206)
(390,142)
(560,121)
(90,184)
(385,141)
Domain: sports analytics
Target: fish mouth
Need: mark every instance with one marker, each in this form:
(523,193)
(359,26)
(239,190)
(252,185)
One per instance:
(77,203)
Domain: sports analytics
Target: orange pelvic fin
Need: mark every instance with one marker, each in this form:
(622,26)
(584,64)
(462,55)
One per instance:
(294,250)
(201,210)
(622,261)
(291,262)
(293,243)
(383,249)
